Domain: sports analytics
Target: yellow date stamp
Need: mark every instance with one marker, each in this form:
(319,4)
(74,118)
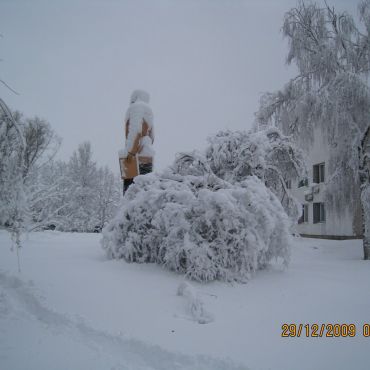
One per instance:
(324,330)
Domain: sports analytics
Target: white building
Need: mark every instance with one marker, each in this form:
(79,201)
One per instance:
(318,218)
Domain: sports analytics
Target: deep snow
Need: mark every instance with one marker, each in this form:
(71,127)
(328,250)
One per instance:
(71,308)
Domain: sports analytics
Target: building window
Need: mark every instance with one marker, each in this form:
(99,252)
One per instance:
(318,213)
(304,217)
(288,184)
(318,173)
(305,212)
(303,182)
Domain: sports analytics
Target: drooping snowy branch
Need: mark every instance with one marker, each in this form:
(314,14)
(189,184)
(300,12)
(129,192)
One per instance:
(267,154)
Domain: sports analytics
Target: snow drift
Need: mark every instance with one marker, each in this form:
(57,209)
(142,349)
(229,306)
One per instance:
(191,221)
(195,305)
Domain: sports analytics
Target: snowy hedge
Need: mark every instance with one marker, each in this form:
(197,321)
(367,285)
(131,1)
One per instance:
(191,221)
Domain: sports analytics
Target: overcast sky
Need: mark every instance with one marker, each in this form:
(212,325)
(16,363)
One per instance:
(205,64)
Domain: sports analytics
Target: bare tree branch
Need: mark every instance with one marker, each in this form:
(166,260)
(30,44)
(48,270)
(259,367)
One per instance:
(6,85)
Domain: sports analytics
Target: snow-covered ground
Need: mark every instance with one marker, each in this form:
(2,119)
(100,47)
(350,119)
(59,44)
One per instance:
(71,308)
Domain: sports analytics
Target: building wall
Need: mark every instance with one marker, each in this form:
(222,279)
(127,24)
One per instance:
(335,224)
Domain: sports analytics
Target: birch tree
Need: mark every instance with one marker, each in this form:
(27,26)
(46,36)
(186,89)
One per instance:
(330,92)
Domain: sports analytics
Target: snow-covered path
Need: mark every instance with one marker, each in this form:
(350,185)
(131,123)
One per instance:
(54,341)
(70,308)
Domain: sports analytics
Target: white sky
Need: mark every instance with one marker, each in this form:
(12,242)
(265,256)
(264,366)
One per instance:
(205,64)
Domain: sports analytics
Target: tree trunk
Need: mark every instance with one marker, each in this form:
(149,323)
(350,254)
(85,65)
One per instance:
(366,243)
(365,191)
(365,200)
(365,204)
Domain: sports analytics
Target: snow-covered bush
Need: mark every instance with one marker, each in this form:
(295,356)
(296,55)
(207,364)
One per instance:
(193,222)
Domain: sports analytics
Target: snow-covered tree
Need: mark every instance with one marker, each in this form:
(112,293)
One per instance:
(267,154)
(191,221)
(24,165)
(330,92)
(82,184)
(107,195)
(73,196)
(41,188)
(41,144)
(13,205)
(37,192)
(48,196)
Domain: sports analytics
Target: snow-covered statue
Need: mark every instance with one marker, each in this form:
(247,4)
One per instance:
(139,135)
